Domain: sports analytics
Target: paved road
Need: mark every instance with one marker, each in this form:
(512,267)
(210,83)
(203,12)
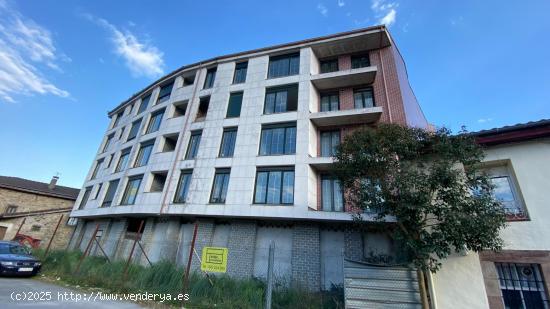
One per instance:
(60,296)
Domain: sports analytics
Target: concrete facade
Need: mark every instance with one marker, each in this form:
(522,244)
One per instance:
(247,228)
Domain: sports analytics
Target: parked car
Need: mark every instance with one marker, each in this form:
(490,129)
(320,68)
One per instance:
(16,259)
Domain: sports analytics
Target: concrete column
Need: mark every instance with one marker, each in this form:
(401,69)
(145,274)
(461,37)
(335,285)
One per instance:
(241,246)
(306,253)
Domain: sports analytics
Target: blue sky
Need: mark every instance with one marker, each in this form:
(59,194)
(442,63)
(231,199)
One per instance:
(64,64)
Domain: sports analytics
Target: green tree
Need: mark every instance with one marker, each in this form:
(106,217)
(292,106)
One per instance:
(425,187)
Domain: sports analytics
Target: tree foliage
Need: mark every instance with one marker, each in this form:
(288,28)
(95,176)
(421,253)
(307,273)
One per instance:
(428,184)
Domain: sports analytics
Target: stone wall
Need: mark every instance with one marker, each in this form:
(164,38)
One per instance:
(37,226)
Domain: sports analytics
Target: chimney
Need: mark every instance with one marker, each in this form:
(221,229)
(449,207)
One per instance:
(53,182)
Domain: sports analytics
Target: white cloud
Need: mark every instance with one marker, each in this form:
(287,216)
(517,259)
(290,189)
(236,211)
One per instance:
(341,3)
(484,120)
(385,12)
(322,9)
(142,58)
(389,18)
(24,47)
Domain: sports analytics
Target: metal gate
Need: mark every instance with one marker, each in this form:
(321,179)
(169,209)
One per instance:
(380,287)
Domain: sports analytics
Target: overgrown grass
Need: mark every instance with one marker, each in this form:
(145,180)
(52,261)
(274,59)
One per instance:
(166,278)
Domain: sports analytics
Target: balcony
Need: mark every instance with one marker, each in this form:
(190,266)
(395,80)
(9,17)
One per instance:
(345,78)
(346,117)
(321,164)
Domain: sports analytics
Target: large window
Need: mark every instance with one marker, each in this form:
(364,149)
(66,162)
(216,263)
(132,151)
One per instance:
(108,142)
(165,92)
(240,72)
(522,286)
(210,77)
(330,65)
(154,122)
(228,142)
(144,103)
(219,188)
(183,186)
(123,160)
(234,106)
(360,61)
(131,191)
(110,194)
(134,130)
(332,197)
(278,139)
(363,98)
(97,167)
(194,143)
(274,186)
(330,102)
(281,99)
(329,143)
(85,198)
(144,153)
(284,65)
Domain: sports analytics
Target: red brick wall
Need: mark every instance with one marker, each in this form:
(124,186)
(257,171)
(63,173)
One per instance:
(344,62)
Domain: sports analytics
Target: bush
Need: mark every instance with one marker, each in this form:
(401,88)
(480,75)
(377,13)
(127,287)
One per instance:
(166,278)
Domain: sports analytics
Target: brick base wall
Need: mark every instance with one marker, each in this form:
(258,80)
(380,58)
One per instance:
(306,253)
(242,242)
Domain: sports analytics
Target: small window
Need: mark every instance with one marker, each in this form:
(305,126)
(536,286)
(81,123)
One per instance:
(203,108)
(131,191)
(180,109)
(11,209)
(234,106)
(281,99)
(35,228)
(144,103)
(159,179)
(332,197)
(330,102)
(284,65)
(188,79)
(133,230)
(144,153)
(228,142)
(522,285)
(274,186)
(117,119)
(110,194)
(330,65)
(194,143)
(123,160)
(329,143)
(108,142)
(110,160)
(98,191)
(240,72)
(363,98)
(170,142)
(96,168)
(134,130)
(183,186)
(278,139)
(154,122)
(85,198)
(210,77)
(219,188)
(507,192)
(165,92)
(360,61)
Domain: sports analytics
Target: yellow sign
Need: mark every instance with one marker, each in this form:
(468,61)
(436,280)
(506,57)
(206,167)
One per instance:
(214,259)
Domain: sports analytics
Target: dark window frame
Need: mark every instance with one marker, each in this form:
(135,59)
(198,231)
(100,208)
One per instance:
(124,152)
(144,104)
(363,97)
(332,180)
(140,154)
(85,197)
(106,202)
(231,102)
(233,141)
(331,65)
(153,119)
(241,69)
(291,90)
(330,95)
(98,164)
(358,61)
(163,97)
(225,174)
(286,126)
(278,60)
(134,130)
(178,195)
(189,153)
(268,170)
(126,197)
(331,132)
(210,78)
